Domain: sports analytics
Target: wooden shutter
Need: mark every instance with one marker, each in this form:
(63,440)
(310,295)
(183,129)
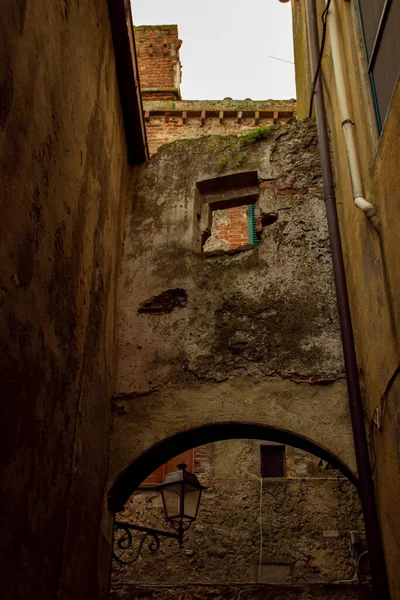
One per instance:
(159,474)
(251,217)
(186,457)
(156,477)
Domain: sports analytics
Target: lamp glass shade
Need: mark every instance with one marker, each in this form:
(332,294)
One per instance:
(181,493)
(181,501)
(172,501)
(192,501)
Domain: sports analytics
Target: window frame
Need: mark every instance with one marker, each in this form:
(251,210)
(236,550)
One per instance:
(273,447)
(372,56)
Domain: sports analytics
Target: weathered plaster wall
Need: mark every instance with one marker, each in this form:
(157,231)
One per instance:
(257,331)
(223,545)
(62,188)
(371,260)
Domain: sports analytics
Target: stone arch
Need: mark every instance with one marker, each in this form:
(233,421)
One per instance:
(133,475)
(317,413)
(156,454)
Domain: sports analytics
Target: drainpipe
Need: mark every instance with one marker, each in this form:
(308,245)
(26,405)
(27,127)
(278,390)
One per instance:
(366,484)
(347,123)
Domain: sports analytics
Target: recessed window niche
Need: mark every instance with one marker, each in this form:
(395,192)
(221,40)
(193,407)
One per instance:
(225,209)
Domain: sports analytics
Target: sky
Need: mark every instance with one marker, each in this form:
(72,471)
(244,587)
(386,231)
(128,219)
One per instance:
(227,45)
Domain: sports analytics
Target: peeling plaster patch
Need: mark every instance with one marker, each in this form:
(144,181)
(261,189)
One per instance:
(165,302)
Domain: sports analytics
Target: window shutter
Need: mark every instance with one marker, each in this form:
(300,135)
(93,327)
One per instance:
(251,214)
(159,474)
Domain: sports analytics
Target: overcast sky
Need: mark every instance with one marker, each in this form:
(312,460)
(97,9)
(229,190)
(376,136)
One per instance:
(227,45)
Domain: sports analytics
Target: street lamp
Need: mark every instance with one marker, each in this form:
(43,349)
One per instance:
(181,492)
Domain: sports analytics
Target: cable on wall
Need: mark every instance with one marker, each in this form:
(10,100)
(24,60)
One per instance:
(321,52)
(254,589)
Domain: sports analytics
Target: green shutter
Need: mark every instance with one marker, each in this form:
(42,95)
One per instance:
(251,219)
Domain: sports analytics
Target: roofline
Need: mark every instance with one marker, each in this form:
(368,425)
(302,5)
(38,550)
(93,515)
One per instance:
(128,80)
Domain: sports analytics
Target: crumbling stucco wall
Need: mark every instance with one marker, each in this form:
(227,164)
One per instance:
(223,545)
(253,333)
(62,188)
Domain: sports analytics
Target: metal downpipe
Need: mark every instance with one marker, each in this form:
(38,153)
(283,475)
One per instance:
(366,484)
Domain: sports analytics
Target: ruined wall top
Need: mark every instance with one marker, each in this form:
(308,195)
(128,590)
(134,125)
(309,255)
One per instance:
(168,117)
(157,49)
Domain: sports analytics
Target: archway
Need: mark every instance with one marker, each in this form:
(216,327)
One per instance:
(133,475)
(253,526)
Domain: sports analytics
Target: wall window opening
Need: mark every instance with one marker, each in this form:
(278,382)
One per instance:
(232,228)
(226,210)
(273,460)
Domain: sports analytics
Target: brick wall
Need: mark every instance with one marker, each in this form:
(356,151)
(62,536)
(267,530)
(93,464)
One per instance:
(158,61)
(229,229)
(169,121)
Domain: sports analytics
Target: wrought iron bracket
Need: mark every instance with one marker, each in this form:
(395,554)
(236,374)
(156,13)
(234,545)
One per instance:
(124,542)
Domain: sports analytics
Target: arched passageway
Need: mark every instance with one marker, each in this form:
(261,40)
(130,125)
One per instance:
(133,475)
(254,523)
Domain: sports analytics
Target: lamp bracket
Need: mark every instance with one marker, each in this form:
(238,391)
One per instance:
(124,542)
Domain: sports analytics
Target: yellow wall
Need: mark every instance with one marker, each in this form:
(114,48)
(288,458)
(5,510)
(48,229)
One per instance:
(370,258)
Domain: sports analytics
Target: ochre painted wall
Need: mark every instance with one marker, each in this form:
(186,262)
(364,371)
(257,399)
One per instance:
(62,187)
(371,259)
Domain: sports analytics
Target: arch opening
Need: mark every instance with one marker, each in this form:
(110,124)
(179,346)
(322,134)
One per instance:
(133,475)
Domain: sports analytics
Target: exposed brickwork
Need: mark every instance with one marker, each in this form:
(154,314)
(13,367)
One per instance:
(168,118)
(169,121)
(229,229)
(236,233)
(202,463)
(158,61)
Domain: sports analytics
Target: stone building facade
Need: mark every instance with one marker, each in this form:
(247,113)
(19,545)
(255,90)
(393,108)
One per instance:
(292,513)
(298,536)
(168,117)
(212,337)
(123,344)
